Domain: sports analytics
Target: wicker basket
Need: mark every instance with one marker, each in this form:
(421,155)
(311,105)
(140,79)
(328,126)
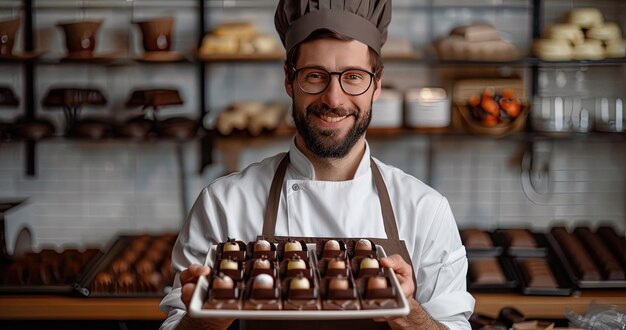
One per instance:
(462,119)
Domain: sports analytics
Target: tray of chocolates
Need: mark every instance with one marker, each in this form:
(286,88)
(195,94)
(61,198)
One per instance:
(543,276)
(593,259)
(491,274)
(133,266)
(48,271)
(295,280)
(481,243)
(520,242)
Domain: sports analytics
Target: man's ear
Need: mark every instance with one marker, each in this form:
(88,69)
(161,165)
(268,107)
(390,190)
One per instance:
(379,86)
(288,88)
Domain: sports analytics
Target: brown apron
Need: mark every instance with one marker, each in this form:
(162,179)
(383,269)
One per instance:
(392,245)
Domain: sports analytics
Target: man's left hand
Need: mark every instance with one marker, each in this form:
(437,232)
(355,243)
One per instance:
(403,271)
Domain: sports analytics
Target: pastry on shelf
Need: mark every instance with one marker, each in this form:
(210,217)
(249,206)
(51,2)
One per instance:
(252,117)
(605,32)
(553,49)
(585,17)
(584,36)
(237,38)
(589,50)
(616,48)
(565,31)
(476,42)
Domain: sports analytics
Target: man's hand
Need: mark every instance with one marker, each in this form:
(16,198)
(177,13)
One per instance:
(417,318)
(403,271)
(188,280)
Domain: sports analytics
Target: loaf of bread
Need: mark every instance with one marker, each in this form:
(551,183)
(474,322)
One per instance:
(239,30)
(476,42)
(586,17)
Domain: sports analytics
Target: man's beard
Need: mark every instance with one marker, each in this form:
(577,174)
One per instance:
(323,142)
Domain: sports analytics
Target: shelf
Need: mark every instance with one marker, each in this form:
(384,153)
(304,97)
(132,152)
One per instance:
(71,308)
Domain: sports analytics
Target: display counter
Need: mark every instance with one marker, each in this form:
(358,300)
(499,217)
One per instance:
(70,308)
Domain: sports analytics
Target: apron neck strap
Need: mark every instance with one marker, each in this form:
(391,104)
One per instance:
(273,200)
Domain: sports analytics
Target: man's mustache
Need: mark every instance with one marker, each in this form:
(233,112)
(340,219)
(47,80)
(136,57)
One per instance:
(321,109)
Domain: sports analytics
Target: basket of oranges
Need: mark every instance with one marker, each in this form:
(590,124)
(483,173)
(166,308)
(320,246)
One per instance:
(489,107)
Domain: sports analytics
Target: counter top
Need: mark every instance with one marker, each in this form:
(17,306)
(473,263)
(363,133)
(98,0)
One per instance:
(32,307)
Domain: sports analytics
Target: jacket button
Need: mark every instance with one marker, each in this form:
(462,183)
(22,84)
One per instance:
(295,187)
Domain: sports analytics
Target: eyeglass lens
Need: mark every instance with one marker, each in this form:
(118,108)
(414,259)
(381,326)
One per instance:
(316,80)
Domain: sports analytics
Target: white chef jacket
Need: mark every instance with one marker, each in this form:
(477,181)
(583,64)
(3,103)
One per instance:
(233,206)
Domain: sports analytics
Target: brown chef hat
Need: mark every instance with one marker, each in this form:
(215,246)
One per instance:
(362,20)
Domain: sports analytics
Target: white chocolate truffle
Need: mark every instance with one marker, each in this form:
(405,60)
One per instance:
(300,283)
(263,281)
(229,264)
(230,246)
(293,246)
(296,263)
(368,262)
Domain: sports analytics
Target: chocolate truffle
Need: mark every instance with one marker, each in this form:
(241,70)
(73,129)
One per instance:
(296,263)
(261,263)
(332,245)
(376,283)
(300,283)
(363,245)
(369,262)
(293,246)
(338,283)
(222,281)
(229,264)
(262,245)
(263,281)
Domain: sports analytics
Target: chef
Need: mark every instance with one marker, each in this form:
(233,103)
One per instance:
(327,184)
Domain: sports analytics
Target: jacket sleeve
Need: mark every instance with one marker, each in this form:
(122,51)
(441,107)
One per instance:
(196,236)
(441,283)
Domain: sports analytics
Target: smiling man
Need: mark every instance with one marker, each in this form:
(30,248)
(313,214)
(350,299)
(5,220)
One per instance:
(327,184)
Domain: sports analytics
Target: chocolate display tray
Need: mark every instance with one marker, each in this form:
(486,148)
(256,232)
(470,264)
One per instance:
(605,284)
(508,270)
(197,301)
(540,251)
(565,285)
(119,245)
(495,251)
(56,289)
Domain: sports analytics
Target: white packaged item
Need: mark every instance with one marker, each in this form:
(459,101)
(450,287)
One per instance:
(427,107)
(387,110)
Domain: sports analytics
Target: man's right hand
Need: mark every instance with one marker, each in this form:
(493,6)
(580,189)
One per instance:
(188,279)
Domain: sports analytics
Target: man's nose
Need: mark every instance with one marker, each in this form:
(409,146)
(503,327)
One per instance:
(334,96)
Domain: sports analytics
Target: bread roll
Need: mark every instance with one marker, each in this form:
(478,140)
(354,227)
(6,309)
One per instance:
(571,32)
(264,43)
(605,32)
(589,50)
(553,49)
(239,30)
(586,17)
(218,45)
(476,32)
(616,48)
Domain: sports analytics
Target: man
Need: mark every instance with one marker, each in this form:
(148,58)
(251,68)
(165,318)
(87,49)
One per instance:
(327,185)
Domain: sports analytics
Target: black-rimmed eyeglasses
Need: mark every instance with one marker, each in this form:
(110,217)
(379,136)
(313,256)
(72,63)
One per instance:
(315,80)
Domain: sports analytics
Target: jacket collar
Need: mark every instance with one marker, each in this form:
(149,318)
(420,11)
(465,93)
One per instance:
(304,168)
